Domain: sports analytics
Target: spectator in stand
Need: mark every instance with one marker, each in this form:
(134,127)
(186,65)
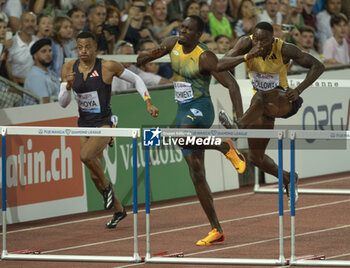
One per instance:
(78,18)
(335,49)
(333,7)
(223,43)
(135,29)
(175,9)
(150,79)
(284,10)
(117,29)
(151,67)
(204,11)
(308,14)
(52,8)
(232,10)
(307,44)
(44,29)
(345,8)
(40,80)
(122,5)
(3,16)
(6,42)
(63,44)
(161,29)
(218,23)
(147,22)
(191,8)
(8,97)
(14,11)
(319,6)
(212,45)
(96,20)
(246,18)
(271,12)
(296,17)
(297,20)
(19,57)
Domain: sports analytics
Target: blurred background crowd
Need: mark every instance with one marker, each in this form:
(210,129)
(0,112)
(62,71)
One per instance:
(319,27)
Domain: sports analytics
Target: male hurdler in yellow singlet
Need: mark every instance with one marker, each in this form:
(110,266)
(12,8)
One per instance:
(193,64)
(267,61)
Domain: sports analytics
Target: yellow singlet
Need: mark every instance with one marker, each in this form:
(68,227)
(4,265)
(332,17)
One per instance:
(269,73)
(189,83)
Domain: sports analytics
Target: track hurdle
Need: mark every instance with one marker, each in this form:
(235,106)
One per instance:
(274,134)
(311,134)
(133,133)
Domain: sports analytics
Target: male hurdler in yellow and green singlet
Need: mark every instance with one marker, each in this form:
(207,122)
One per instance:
(193,64)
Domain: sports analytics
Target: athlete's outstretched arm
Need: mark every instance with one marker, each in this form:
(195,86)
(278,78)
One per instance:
(316,68)
(67,78)
(236,55)
(207,63)
(118,70)
(165,47)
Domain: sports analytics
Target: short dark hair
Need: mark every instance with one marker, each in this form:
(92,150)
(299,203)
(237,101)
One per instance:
(199,21)
(264,26)
(141,42)
(92,7)
(85,35)
(306,28)
(337,18)
(221,36)
(73,10)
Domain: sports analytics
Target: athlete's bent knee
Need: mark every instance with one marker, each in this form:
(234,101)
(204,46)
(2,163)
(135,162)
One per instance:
(86,158)
(255,160)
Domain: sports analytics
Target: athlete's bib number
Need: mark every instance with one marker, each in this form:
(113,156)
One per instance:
(89,102)
(183,92)
(264,82)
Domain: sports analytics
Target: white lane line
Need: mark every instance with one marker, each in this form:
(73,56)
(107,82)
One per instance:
(156,208)
(338,256)
(263,241)
(108,216)
(193,227)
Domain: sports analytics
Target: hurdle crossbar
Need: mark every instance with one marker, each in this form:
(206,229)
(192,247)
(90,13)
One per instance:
(133,133)
(310,134)
(314,134)
(226,133)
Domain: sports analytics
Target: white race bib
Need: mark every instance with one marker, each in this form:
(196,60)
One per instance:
(183,92)
(264,82)
(88,102)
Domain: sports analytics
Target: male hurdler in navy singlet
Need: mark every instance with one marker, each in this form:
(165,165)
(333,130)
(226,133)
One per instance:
(91,78)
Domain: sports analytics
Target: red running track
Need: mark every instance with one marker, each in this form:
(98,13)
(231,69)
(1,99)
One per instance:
(250,222)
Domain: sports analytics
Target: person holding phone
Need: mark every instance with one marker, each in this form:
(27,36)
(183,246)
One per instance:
(135,28)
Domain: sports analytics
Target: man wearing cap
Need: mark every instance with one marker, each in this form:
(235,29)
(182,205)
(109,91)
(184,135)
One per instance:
(40,80)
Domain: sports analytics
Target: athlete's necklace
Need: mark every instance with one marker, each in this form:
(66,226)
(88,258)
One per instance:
(87,68)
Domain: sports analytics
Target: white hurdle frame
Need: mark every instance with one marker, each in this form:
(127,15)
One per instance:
(133,133)
(226,133)
(310,134)
(307,134)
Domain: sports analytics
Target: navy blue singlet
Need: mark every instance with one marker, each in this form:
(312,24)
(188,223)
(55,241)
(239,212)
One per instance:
(93,97)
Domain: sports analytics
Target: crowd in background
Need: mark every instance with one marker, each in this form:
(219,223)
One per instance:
(319,27)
